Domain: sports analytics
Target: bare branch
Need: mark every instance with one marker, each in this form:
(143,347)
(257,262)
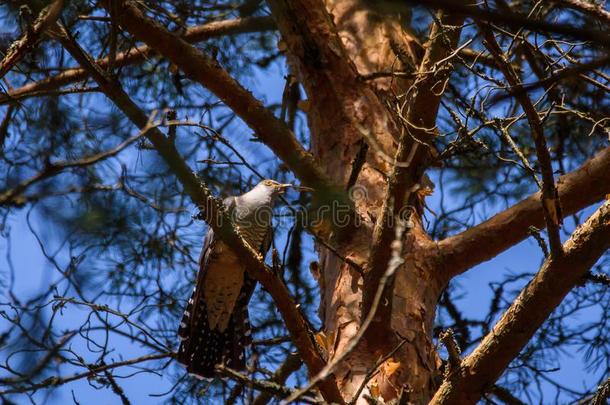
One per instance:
(4,125)
(139,54)
(519,21)
(551,206)
(270,387)
(290,365)
(505,395)
(555,77)
(577,190)
(116,388)
(596,10)
(527,313)
(53,382)
(14,195)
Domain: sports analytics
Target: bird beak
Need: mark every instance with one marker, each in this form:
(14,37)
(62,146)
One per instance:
(299,188)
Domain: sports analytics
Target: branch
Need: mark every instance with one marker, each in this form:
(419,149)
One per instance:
(453,350)
(116,388)
(505,395)
(4,125)
(549,197)
(602,394)
(53,382)
(527,313)
(203,69)
(290,365)
(554,77)
(591,8)
(269,387)
(14,196)
(140,54)
(39,367)
(519,21)
(577,190)
(196,34)
(598,278)
(21,47)
(214,214)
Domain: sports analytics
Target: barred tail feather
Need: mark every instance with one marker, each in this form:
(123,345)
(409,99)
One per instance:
(184,329)
(202,348)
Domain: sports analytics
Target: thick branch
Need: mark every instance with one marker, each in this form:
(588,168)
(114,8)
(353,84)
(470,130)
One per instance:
(214,214)
(577,190)
(140,54)
(527,313)
(206,71)
(22,46)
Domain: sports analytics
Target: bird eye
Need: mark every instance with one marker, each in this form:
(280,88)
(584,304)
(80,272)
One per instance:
(268,183)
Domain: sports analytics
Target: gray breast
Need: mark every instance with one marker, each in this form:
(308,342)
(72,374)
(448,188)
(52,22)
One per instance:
(253,224)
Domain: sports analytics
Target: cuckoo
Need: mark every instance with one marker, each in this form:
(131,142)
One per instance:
(215,327)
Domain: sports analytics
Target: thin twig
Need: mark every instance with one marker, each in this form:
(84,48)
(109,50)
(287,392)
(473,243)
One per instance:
(52,382)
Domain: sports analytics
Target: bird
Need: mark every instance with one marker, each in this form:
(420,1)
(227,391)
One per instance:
(215,326)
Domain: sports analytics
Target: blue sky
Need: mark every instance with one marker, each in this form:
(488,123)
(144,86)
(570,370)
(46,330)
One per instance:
(33,273)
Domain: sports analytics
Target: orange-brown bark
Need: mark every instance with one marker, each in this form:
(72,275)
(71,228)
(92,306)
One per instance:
(340,107)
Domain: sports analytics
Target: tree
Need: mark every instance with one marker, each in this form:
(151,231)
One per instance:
(125,121)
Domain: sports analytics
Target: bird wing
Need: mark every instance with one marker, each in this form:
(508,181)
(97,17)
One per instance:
(209,337)
(209,246)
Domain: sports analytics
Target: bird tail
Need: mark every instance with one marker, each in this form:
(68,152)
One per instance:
(202,348)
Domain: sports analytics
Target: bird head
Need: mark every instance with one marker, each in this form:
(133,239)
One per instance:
(268,190)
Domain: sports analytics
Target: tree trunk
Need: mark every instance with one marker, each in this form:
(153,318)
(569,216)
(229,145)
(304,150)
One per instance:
(371,39)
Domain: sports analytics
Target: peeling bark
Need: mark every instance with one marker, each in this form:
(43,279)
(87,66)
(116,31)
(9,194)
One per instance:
(328,58)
